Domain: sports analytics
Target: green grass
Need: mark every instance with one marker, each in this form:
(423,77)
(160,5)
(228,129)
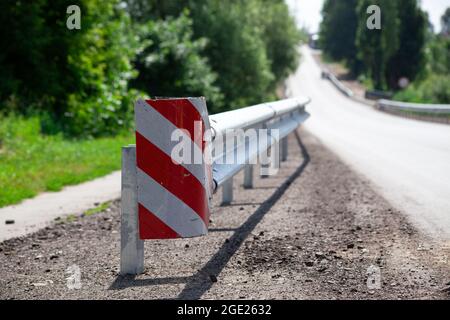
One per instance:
(73,217)
(31,162)
(97,209)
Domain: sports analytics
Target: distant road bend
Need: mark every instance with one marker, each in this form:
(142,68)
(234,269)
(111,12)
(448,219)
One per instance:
(407,161)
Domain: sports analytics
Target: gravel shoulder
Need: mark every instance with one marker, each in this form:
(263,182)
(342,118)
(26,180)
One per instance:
(311,232)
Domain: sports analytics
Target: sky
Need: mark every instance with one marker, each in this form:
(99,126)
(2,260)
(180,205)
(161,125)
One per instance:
(308,15)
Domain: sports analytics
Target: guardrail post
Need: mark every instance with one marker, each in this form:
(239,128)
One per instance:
(284,149)
(227,192)
(275,156)
(273,159)
(248,176)
(264,168)
(264,157)
(131,246)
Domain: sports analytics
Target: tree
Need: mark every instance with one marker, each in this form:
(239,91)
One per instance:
(171,62)
(99,59)
(235,49)
(26,72)
(409,59)
(445,22)
(77,78)
(144,10)
(338,31)
(433,86)
(250,45)
(376,47)
(281,37)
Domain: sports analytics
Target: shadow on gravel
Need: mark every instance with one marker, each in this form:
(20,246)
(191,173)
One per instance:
(123,282)
(201,282)
(221,229)
(241,204)
(266,187)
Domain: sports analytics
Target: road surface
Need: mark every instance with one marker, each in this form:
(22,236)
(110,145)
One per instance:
(408,161)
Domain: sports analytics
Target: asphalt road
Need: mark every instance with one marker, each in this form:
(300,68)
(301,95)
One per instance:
(408,161)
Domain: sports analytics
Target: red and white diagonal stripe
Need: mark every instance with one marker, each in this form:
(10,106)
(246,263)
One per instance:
(173,198)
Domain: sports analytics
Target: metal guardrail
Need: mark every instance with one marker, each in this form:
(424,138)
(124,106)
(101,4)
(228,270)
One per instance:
(276,119)
(339,85)
(414,110)
(377,95)
(393,106)
(284,116)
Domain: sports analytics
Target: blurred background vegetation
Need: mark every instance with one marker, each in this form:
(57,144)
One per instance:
(66,96)
(83,82)
(405,47)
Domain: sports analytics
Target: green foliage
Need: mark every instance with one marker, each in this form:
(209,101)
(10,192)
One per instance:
(31,162)
(433,86)
(171,64)
(27,69)
(100,208)
(376,47)
(409,59)
(384,56)
(250,45)
(100,61)
(438,55)
(338,32)
(445,21)
(144,10)
(281,38)
(60,88)
(83,82)
(434,89)
(235,49)
(79,78)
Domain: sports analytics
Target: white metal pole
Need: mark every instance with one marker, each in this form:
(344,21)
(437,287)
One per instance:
(227,192)
(275,158)
(284,149)
(264,159)
(131,246)
(248,176)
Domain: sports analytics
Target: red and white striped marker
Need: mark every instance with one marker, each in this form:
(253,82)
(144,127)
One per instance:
(173,198)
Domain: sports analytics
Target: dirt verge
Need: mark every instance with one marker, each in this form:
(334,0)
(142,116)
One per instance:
(314,231)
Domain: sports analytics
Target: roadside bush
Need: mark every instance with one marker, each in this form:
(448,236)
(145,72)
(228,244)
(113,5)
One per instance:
(171,62)
(434,89)
(236,50)
(411,94)
(77,78)
(281,38)
(100,62)
(83,82)
(251,45)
